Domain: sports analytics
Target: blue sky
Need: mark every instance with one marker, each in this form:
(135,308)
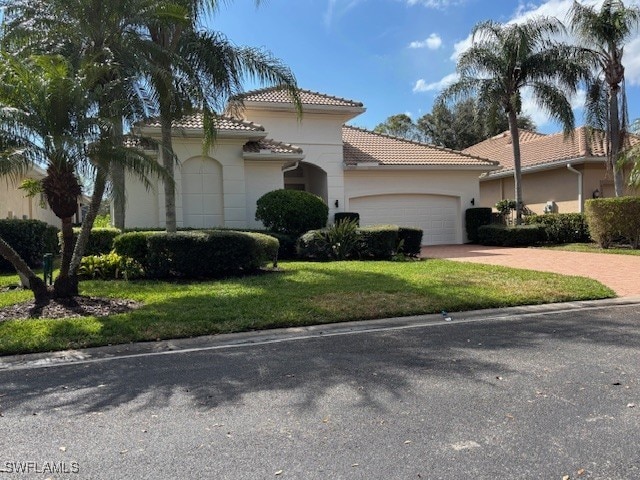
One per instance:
(392,55)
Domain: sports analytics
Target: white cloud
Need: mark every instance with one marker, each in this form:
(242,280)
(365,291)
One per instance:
(434,42)
(437,4)
(336,9)
(422,85)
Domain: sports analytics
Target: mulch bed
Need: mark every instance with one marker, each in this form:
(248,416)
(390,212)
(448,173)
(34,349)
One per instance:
(69,308)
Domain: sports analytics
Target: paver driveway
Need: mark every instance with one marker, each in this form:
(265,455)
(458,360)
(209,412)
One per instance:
(621,273)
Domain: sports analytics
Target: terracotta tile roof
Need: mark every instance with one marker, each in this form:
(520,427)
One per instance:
(268,144)
(538,149)
(307,97)
(364,146)
(195,121)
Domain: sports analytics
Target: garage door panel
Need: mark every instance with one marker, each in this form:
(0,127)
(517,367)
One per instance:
(436,215)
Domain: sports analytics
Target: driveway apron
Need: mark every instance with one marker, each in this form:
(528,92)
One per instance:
(618,272)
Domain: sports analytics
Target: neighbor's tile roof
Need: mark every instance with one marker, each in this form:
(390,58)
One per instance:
(307,97)
(196,121)
(268,144)
(364,146)
(537,149)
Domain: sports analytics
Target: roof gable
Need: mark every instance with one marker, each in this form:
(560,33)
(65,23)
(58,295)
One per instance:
(307,97)
(363,146)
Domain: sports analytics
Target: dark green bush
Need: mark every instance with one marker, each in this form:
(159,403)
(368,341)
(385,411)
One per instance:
(340,216)
(612,218)
(562,227)
(198,254)
(518,236)
(292,212)
(378,242)
(100,241)
(134,245)
(475,218)
(31,239)
(411,239)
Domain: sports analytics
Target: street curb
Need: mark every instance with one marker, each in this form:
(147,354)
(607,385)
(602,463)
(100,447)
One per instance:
(262,337)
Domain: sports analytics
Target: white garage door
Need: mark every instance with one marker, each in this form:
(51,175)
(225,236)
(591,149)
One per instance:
(436,215)
(202,193)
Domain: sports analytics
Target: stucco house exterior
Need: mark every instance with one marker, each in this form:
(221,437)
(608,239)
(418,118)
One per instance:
(268,146)
(14,203)
(558,173)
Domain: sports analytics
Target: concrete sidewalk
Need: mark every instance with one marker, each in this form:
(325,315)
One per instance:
(618,272)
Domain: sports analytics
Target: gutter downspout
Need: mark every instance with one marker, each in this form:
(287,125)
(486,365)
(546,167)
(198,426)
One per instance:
(290,168)
(580,192)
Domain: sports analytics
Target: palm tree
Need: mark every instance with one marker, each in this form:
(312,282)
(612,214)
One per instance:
(607,31)
(505,59)
(200,70)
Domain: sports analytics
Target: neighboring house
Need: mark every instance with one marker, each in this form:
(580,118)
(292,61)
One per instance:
(558,173)
(14,203)
(385,179)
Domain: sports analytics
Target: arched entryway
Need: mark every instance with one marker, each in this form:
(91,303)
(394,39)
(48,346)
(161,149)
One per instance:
(307,177)
(202,202)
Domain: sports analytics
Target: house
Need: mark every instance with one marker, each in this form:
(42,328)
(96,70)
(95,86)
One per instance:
(268,147)
(558,173)
(14,202)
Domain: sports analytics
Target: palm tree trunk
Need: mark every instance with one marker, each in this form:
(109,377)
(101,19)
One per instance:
(65,285)
(517,168)
(167,163)
(94,207)
(117,180)
(35,283)
(614,139)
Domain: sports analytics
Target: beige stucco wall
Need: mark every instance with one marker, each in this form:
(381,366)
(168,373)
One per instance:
(261,177)
(559,185)
(14,204)
(462,185)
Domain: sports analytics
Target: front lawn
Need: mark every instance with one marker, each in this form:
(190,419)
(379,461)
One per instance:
(594,248)
(301,294)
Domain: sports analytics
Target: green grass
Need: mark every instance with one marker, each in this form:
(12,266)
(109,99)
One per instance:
(594,248)
(301,294)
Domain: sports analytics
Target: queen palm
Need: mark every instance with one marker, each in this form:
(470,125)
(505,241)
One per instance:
(606,31)
(505,59)
(200,70)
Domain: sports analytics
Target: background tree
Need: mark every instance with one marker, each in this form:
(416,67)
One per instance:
(607,31)
(503,60)
(400,125)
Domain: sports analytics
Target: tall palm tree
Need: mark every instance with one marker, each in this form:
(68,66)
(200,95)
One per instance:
(607,31)
(505,59)
(200,70)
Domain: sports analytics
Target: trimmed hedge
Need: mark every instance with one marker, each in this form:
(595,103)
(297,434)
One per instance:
(198,254)
(613,218)
(340,216)
(518,236)
(562,227)
(31,239)
(100,240)
(411,239)
(292,212)
(474,219)
(379,242)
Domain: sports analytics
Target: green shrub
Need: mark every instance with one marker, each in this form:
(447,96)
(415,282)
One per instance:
(411,240)
(31,239)
(199,254)
(475,218)
(612,218)
(337,242)
(340,216)
(292,212)
(110,266)
(562,227)
(102,221)
(100,240)
(379,242)
(518,236)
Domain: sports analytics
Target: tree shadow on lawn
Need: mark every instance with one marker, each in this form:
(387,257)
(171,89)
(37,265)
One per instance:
(371,366)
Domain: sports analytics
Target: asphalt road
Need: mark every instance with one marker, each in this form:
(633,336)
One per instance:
(524,396)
